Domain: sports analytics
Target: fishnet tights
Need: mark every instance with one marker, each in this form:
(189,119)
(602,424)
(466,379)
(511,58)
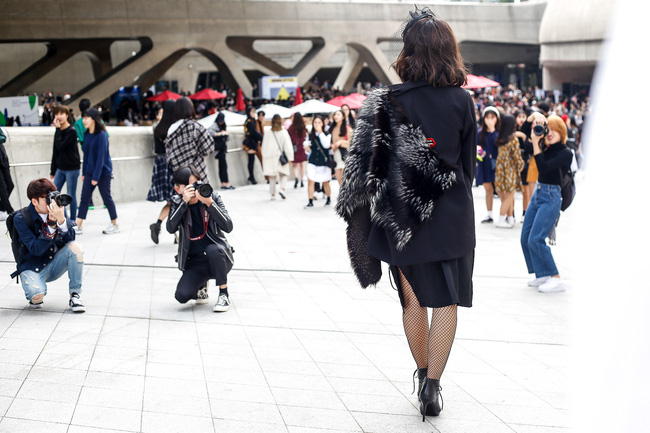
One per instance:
(430,346)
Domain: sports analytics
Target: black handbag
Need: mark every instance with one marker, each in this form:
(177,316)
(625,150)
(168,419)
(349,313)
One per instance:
(329,161)
(283,156)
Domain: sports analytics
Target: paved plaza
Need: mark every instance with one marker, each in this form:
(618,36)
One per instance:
(303,349)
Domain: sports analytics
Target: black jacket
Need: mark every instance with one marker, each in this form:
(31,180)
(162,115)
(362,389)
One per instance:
(65,153)
(407,185)
(219,222)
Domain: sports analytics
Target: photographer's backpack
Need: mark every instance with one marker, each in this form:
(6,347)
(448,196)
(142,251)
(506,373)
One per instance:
(567,188)
(17,247)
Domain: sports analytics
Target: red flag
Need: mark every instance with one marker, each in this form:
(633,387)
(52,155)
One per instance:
(239,104)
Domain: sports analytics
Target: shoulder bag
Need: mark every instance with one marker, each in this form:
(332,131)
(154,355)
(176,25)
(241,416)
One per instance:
(329,161)
(283,156)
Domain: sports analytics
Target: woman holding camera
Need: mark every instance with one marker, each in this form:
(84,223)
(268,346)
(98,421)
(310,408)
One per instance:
(553,159)
(97,170)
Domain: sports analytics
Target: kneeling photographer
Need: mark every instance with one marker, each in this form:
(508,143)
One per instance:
(199,215)
(553,160)
(43,244)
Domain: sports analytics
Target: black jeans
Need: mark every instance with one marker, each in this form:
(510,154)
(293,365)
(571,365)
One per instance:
(223,166)
(6,186)
(213,265)
(104,185)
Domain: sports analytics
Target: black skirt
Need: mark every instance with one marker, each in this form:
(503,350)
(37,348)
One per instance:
(439,284)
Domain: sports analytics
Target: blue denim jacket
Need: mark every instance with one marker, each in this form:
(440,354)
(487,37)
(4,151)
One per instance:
(40,248)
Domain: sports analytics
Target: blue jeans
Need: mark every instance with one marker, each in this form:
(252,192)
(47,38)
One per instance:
(64,260)
(542,212)
(69,177)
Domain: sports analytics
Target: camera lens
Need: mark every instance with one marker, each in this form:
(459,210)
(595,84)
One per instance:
(205,190)
(63,200)
(539,130)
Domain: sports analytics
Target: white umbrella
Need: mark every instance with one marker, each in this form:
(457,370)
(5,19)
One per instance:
(313,107)
(272,109)
(232,119)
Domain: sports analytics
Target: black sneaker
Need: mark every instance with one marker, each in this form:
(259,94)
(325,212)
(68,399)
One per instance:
(328,202)
(223,304)
(487,219)
(75,304)
(310,204)
(295,184)
(155,232)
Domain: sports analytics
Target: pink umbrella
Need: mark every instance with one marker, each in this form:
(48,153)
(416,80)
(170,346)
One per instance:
(207,94)
(165,96)
(475,82)
(354,100)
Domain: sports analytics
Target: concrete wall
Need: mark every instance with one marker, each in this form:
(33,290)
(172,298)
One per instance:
(30,152)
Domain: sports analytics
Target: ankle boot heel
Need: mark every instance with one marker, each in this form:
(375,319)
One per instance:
(430,398)
(421,374)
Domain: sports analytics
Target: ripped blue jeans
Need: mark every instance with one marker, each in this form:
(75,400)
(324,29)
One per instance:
(64,260)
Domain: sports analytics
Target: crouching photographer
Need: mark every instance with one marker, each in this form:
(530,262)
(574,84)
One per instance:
(43,244)
(200,217)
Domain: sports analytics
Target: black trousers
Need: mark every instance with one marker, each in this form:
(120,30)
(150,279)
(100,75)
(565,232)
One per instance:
(213,265)
(223,166)
(6,186)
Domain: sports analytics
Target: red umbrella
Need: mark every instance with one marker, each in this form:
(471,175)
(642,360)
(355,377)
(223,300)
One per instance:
(353,100)
(239,104)
(298,97)
(165,96)
(474,82)
(207,94)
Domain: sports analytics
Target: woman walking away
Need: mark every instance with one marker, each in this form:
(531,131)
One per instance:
(97,170)
(275,144)
(162,184)
(66,162)
(340,133)
(490,124)
(407,193)
(252,139)
(298,134)
(220,136)
(188,142)
(553,159)
(318,145)
(507,179)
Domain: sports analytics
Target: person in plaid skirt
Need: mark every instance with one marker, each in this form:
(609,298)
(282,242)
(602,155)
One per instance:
(188,142)
(162,185)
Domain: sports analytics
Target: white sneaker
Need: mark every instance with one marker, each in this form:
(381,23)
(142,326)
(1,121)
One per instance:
(75,304)
(111,229)
(511,220)
(3,215)
(78,230)
(551,286)
(223,304)
(538,281)
(503,223)
(272,197)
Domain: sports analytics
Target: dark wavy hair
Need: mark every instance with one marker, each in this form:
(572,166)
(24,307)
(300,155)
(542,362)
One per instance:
(343,130)
(431,54)
(94,114)
(312,134)
(184,109)
(508,128)
(167,119)
(298,125)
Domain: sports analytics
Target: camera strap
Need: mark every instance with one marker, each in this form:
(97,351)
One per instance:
(206,218)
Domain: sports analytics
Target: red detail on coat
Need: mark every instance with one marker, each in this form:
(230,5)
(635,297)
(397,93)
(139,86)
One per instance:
(432,142)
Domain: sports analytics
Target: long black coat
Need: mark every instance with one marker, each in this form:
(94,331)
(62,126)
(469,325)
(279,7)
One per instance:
(407,189)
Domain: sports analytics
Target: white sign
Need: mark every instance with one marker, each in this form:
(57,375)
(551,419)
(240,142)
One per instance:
(271,87)
(23,108)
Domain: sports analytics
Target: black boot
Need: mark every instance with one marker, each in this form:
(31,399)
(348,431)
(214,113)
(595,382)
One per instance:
(328,202)
(295,184)
(430,398)
(422,374)
(155,231)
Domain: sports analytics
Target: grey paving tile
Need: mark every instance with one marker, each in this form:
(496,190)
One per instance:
(5,402)
(15,425)
(382,423)
(10,387)
(125,382)
(48,411)
(112,398)
(14,371)
(232,426)
(548,417)
(166,423)
(239,392)
(36,390)
(246,411)
(318,418)
(107,417)
(308,398)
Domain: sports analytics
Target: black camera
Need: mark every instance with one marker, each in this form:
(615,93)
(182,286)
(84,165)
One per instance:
(204,189)
(540,130)
(59,199)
